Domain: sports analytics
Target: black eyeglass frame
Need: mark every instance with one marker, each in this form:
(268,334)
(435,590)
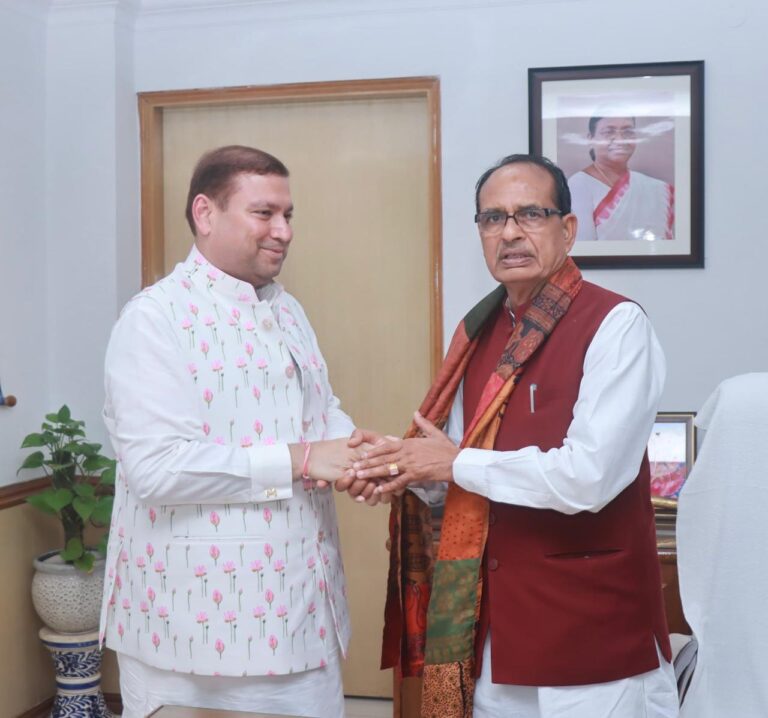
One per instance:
(548,212)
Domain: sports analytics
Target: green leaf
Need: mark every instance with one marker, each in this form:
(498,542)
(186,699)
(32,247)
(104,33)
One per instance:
(97,463)
(84,507)
(39,502)
(73,550)
(53,418)
(103,511)
(85,562)
(108,477)
(33,461)
(32,440)
(87,491)
(59,498)
(64,414)
(101,547)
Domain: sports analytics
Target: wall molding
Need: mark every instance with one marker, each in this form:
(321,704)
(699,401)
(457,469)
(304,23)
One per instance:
(15,494)
(164,14)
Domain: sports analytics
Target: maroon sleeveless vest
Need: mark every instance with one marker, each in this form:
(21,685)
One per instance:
(570,599)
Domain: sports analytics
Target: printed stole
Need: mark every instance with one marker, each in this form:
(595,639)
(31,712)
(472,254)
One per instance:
(433,606)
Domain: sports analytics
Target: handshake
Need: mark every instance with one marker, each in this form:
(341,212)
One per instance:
(370,466)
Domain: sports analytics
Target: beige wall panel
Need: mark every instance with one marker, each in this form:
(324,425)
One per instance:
(360,265)
(26,670)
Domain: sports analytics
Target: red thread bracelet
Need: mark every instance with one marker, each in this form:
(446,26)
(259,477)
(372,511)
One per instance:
(305,465)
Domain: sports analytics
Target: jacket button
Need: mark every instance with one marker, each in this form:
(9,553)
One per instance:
(491,518)
(493,564)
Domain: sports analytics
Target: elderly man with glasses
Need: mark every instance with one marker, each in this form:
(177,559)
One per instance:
(543,598)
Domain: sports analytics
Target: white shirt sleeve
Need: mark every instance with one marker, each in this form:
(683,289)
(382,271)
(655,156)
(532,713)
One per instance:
(155,424)
(624,372)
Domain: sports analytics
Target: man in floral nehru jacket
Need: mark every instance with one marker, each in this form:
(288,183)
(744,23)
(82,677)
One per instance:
(224,585)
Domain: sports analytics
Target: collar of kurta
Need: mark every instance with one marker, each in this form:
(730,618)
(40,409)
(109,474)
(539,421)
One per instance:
(205,275)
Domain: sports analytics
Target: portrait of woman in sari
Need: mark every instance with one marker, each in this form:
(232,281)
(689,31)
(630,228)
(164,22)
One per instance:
(613,202)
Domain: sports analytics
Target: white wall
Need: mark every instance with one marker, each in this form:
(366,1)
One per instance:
(24,339)
(710,320)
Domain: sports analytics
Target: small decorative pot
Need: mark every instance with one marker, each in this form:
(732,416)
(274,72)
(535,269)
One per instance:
(66,599)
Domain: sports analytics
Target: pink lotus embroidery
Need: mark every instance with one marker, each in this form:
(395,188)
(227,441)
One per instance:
(208,397)
(231,572)
(206,428)
(205,348)
(214,553)
(215,520)
(201,573)
(258,568)
(156,641)
(193,309)
(257,396)
(120,631)
(280,568)
(217,598)
(246,442)
(273,643)
(321,633)
(230,618)
(268,517)
(282,613)
(249,349)
(202,619)
(259,613)
(150,550)
(269,596)
(152,516)
(268,551)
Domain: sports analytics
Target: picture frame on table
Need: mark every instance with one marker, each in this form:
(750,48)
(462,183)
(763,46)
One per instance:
(630,140)
(671,452)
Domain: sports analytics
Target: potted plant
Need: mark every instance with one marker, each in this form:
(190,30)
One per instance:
(80,493)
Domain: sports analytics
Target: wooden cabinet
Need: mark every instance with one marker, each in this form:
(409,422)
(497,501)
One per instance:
(671,589)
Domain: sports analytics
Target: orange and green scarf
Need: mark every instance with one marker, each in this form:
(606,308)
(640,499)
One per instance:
(433,606)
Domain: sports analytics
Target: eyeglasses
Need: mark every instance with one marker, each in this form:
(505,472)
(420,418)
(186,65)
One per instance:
(493,221)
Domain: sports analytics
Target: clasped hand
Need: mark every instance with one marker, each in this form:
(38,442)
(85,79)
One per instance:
(387,465)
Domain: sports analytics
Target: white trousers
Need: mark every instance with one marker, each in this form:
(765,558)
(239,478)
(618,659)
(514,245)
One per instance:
(317,693)
(648,695)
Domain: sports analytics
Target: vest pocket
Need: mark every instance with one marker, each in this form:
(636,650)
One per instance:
(570,555)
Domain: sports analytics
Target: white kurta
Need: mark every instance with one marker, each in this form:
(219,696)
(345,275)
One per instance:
(218,564)
(722,540)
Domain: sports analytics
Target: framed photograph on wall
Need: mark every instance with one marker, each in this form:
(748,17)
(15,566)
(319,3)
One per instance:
(671,452)
(630,139)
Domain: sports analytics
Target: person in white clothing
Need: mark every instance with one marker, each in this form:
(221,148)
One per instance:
(613,202)
(224,584)
(543,598)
